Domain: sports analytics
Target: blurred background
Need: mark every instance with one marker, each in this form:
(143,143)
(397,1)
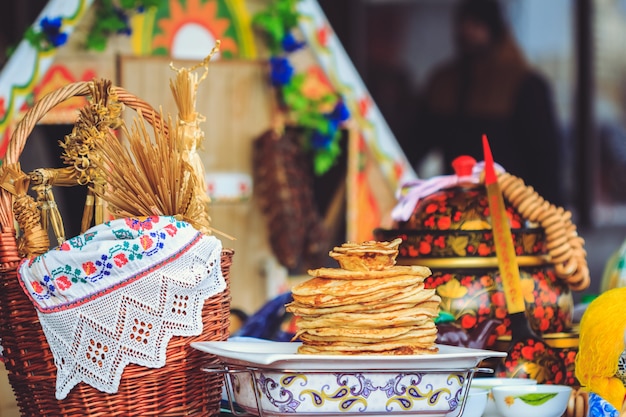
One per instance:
(577,45)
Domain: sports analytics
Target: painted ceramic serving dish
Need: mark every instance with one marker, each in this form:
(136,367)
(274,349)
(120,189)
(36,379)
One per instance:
(271,379)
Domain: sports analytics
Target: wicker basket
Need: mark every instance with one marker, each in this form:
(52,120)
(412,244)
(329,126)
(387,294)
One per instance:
(177,389)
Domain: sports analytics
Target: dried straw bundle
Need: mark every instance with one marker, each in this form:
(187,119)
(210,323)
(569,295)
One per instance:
(103,113)
(164,176)
(149,177)
(184,89)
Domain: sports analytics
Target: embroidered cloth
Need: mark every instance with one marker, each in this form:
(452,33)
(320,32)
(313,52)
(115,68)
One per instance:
(116,295)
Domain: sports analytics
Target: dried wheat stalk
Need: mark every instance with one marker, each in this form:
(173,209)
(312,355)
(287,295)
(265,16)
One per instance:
(184,87)
(164,176)
(147,177)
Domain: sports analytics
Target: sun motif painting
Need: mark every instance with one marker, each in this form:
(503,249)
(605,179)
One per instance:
(180,27)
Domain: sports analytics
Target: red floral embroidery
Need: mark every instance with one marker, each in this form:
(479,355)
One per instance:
(171,229)
(148,222)
(133,224)
(37,287)
(140,223)
(89,268)
(64,246)
(120,260)
(63,283)
(146,242)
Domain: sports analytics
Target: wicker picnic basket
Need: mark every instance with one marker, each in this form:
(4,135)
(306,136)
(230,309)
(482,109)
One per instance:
(179,388)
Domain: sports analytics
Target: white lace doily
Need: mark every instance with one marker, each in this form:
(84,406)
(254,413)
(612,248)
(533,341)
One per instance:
(117,294)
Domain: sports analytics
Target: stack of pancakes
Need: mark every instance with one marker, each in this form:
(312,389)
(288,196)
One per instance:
(367,306)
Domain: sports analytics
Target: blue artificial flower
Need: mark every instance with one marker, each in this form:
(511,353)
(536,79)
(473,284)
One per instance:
(340,113)
(290,44)
(121,14)
(322,140)
(51,29)
(281,70)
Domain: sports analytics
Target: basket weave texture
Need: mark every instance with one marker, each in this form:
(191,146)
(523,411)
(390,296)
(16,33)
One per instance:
(179,388)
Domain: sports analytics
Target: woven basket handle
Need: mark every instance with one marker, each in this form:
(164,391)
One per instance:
(44,105)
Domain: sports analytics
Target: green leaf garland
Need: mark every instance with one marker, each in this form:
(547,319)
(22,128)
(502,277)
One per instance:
(322,134)
(112,18)
(48,35)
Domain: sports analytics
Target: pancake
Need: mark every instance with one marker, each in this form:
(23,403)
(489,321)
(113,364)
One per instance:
(336,273)
(302,310)
(367,322)
(429,307)
(361,335)
(412,294)
(369,306)
(367,256)
(401,349)
(348,288)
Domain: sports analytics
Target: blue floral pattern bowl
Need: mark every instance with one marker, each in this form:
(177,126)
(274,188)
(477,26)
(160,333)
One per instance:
(341,393)
(272,379)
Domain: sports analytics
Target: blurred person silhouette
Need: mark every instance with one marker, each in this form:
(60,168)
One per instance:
(488,87)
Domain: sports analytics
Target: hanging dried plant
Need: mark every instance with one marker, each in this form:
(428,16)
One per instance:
(160,176)
(184,89)
(147,177)
(94,121)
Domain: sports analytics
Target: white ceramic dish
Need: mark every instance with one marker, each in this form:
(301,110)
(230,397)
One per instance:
(489,383)
(540,400)
(474,404)
(282,355)
(336,385)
